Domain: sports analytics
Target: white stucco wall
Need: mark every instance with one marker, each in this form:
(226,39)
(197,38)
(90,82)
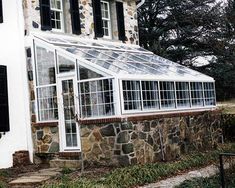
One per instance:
(12,55)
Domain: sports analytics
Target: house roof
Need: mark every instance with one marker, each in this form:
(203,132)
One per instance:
(125,61)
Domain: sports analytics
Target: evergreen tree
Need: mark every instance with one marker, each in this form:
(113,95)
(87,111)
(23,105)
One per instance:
(186,29)
(178,30)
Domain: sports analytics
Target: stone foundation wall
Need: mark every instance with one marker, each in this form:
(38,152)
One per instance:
(139,142)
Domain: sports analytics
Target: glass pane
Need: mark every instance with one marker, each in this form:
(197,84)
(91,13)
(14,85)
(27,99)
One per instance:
(65,65)
(150,94)
(47,103)
(209,93)
(196,93)
(45,66)
(85,73)
(167,92)
(183,96)
(131,93)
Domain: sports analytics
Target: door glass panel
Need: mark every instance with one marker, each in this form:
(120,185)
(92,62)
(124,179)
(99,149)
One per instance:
(69,113)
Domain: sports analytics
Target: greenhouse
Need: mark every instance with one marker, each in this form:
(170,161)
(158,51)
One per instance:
(100,79)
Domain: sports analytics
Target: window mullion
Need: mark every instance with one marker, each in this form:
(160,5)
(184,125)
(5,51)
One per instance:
(141,96)
(159,95)
(203,94)
(176,106)
(190,95)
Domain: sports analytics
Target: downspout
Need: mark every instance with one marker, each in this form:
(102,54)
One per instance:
(140,4)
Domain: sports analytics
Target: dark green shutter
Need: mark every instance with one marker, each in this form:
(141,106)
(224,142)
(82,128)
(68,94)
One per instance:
(45,13)
(4,110)
(120,21)
(1,12)
(98,23)
(75,17)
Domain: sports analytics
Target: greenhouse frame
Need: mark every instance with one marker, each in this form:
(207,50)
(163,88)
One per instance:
(115,79)
(83,79)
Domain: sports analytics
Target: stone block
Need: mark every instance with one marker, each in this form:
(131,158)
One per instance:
(108,130)
(62,163)
(127,126)
(147,126)
(40,135)
(123,160)
(85,132)
(150,140)
(47,139)
(123,137)
(54,147)
(54,130)
(86,145)
(127,148)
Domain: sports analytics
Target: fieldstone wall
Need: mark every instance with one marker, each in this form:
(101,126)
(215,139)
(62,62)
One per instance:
(32,18)
(45,139)
(131,22)
(139,142)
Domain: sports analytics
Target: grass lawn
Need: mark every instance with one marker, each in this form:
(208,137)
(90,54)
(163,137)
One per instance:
(211,182)
(227,106)
(141,174)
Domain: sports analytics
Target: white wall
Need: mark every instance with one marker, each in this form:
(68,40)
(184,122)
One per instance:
(12,54)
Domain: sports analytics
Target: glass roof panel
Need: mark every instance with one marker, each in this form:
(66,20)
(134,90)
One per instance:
(122,59)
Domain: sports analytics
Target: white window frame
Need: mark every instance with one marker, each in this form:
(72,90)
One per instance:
(109,36)
(162,109)
(35,73)
(61,12)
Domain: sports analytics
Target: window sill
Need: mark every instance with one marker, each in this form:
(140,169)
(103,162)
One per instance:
(152,116)
(46,124)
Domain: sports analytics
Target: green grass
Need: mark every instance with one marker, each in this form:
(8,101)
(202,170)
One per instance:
(4,174)
(143,174)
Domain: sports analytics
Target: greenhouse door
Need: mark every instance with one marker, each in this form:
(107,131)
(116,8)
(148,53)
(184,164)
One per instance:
(69,130)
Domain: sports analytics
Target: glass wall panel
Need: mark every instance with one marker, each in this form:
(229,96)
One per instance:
(65,65)
(196,94)
(45,66)
(47,103)
(167,92)
(131,95)
(46,85)
(183,95)
(150,94)
(96,98)
(85,73)
(209,93)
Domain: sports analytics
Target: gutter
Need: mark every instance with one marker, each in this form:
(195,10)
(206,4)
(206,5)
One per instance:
(140,4)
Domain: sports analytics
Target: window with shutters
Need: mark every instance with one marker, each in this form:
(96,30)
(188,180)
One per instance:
(57,15)
(106,20)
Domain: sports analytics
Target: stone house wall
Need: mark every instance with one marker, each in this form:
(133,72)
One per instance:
(139,141)
(32,18)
